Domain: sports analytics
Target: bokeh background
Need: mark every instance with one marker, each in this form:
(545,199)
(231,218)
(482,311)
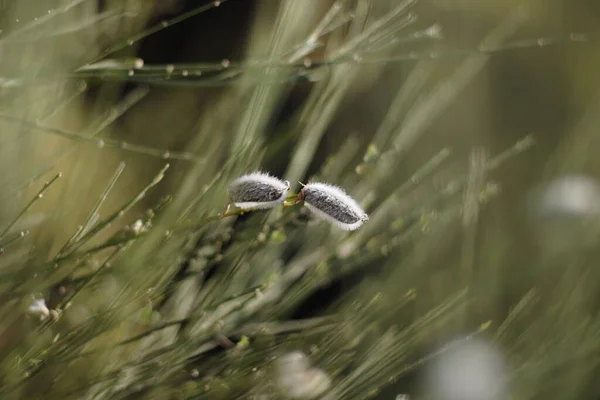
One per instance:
(447,120)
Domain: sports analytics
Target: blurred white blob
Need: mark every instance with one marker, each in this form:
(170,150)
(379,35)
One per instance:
(297,379)
(38,309)
(471,370)
(574,195)
(566,212)
(293,362)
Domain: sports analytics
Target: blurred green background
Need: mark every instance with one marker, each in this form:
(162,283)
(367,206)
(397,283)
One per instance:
(441,117)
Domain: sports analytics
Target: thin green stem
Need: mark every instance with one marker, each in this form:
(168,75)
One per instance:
(38,196)
(83,229)
(90,278)
(134,148)
(103,224)
(157,28)
(12,240)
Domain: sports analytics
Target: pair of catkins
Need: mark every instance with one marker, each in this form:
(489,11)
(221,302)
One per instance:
(260,190)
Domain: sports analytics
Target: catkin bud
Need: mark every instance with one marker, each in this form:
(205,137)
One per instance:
(257,190)
(332,204)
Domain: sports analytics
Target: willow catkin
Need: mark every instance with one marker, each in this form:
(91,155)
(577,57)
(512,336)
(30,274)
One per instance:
(334,205)
(257,190)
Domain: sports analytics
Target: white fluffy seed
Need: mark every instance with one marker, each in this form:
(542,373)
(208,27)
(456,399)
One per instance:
(332,204)
(257,190)
(39,309)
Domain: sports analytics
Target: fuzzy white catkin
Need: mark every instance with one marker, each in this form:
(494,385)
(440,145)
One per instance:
(257,190)
(298,380)
(334,205)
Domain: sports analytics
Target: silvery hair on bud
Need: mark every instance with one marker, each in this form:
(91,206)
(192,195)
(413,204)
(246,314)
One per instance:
(332,204)
(257,190)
